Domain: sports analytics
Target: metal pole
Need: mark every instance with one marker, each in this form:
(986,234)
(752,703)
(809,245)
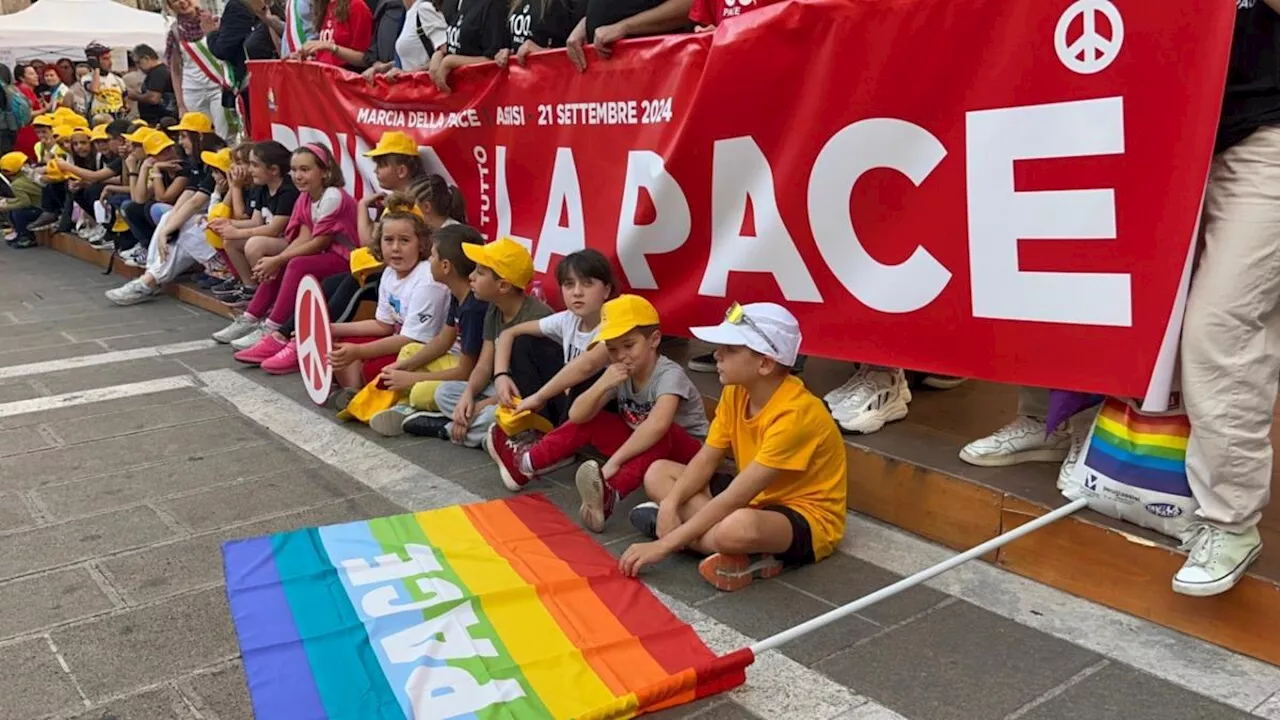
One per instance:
(831,616)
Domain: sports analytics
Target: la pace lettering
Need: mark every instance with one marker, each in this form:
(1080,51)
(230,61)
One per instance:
(999,216)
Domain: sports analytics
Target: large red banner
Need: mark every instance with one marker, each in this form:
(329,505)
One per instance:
(991,189)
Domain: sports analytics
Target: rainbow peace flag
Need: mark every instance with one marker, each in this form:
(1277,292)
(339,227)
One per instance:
(501,609)
(1142,450)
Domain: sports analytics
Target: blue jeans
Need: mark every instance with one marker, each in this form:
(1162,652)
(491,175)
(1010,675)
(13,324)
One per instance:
(21,218)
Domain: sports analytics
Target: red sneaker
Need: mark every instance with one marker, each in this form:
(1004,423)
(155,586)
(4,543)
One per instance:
(262,351)
(506,454)
(598,497)
(733,572)
(283,362)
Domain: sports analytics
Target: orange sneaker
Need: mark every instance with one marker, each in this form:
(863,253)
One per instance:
(733,572)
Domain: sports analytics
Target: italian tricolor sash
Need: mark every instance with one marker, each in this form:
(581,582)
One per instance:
(295,32)
(198,52)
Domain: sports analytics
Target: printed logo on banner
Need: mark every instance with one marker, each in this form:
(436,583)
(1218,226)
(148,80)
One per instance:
(1091,52)
(314,341)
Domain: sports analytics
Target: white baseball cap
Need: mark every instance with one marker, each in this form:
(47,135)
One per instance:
(767,328)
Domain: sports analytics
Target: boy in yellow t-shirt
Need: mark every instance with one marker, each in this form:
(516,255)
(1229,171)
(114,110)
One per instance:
(786,505)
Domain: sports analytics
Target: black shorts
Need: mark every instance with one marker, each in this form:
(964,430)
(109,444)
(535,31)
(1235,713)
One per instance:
(800,552)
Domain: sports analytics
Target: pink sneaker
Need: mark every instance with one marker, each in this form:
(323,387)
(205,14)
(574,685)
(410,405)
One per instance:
(283,362)
(269,345)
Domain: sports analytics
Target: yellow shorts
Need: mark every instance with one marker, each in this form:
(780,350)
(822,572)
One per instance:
(423,394)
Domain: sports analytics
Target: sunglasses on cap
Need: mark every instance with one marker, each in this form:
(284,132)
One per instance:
(736,315)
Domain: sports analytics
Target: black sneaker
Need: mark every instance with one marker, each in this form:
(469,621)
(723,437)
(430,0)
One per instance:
(703,363)
(226,287)
(644,517)
(44,222)
(427,425)
(240,298)
(25,241)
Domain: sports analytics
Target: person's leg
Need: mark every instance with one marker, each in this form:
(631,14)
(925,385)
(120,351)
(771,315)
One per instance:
(534,361)
(138,215)
(600,495)
(235,250)
(321,265)
(218,113)
(1025,439)
(22,219)
(345,295)
(1231,361)
(423,395)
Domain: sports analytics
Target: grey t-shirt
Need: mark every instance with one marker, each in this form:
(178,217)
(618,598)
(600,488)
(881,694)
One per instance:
(531,309)
(668,378)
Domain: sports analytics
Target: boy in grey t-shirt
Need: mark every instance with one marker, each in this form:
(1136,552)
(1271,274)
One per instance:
(660,417)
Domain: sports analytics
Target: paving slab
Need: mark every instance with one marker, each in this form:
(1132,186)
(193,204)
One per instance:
(50,338)
(139,647)
(52,546)
(23,440)
(197,329)
(841,579)
(1119,691)
(710,708)
(224,691)
(97,321)
(46,354)
(160,704)
(34,603)
(106,456)
(35,684)
(179,475)
(120,373)
(14,513)
(127,422)
(957,663)
(197,561)
(262,496)
(15,390)
(135,328)
(217,358)
(768,608)
(107,407)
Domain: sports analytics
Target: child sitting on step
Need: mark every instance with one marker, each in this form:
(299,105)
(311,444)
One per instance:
(660,416)
(786,505)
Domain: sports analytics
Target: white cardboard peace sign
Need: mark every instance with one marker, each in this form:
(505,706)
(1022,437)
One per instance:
(1091,52)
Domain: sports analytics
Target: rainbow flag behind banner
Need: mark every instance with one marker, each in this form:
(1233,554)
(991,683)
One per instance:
(502,609)
(1140,449)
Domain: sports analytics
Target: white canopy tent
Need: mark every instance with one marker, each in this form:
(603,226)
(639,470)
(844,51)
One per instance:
(52,29)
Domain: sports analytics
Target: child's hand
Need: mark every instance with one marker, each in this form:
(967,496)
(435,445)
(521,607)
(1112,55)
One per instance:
(533,403)
(507,391)
(267,268)
(641,555)
(668,519)
(609,469)
(369,201)
(615,375)
(462,416)
(399,380)
(345,354)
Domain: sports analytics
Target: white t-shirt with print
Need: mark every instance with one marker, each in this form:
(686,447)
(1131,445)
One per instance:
(566,328)
(416,304)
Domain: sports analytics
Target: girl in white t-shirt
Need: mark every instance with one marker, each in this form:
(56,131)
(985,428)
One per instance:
(412,305)
(526,352)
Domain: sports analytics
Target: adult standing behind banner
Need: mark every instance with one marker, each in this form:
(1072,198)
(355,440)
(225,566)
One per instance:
(608,21)
(477,32)
(1231,334)
(707,14)
(534,25)
(424,30)
(244,33)
(345,31)
(105,88)
(198,77)
(388,20)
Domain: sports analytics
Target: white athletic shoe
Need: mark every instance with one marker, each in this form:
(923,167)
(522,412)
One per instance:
(1078,429)
(1022,440)
(245,342)
(879,396)
(842,393)
(1216,561)
(132,293)
(134,257)
(242,326)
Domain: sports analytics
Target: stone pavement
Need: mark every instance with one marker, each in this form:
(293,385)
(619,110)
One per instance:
(130,449)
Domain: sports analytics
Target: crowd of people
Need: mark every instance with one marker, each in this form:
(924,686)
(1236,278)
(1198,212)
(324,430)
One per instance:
(460,350)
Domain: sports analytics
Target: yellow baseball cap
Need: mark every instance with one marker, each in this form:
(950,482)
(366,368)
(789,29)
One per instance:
(63,131)
(45,120)
(12,162)
(623,314)
(194,122)
(78,130)
(65,112)
(156,143)
(362,263)
(504,256)
(140,135)
(220,159)
(139,123)
(99,133)
(394,143)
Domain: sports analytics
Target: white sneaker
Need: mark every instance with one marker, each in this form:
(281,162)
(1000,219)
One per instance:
(1078,429)
(880,396)
(134,257)
(132,293)
(1022,440)
(245,342)
(242,326)
(390,422)
(842,393)
(1216,561)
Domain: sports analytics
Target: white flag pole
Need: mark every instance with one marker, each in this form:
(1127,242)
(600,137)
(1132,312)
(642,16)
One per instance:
(831,616)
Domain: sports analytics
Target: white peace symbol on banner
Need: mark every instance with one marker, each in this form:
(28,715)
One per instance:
(1092,52)
(311,315)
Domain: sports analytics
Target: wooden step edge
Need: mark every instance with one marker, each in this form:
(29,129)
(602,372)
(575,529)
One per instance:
(1098,563)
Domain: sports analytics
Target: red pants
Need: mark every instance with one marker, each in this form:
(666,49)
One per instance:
(607,432)
(370,367)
